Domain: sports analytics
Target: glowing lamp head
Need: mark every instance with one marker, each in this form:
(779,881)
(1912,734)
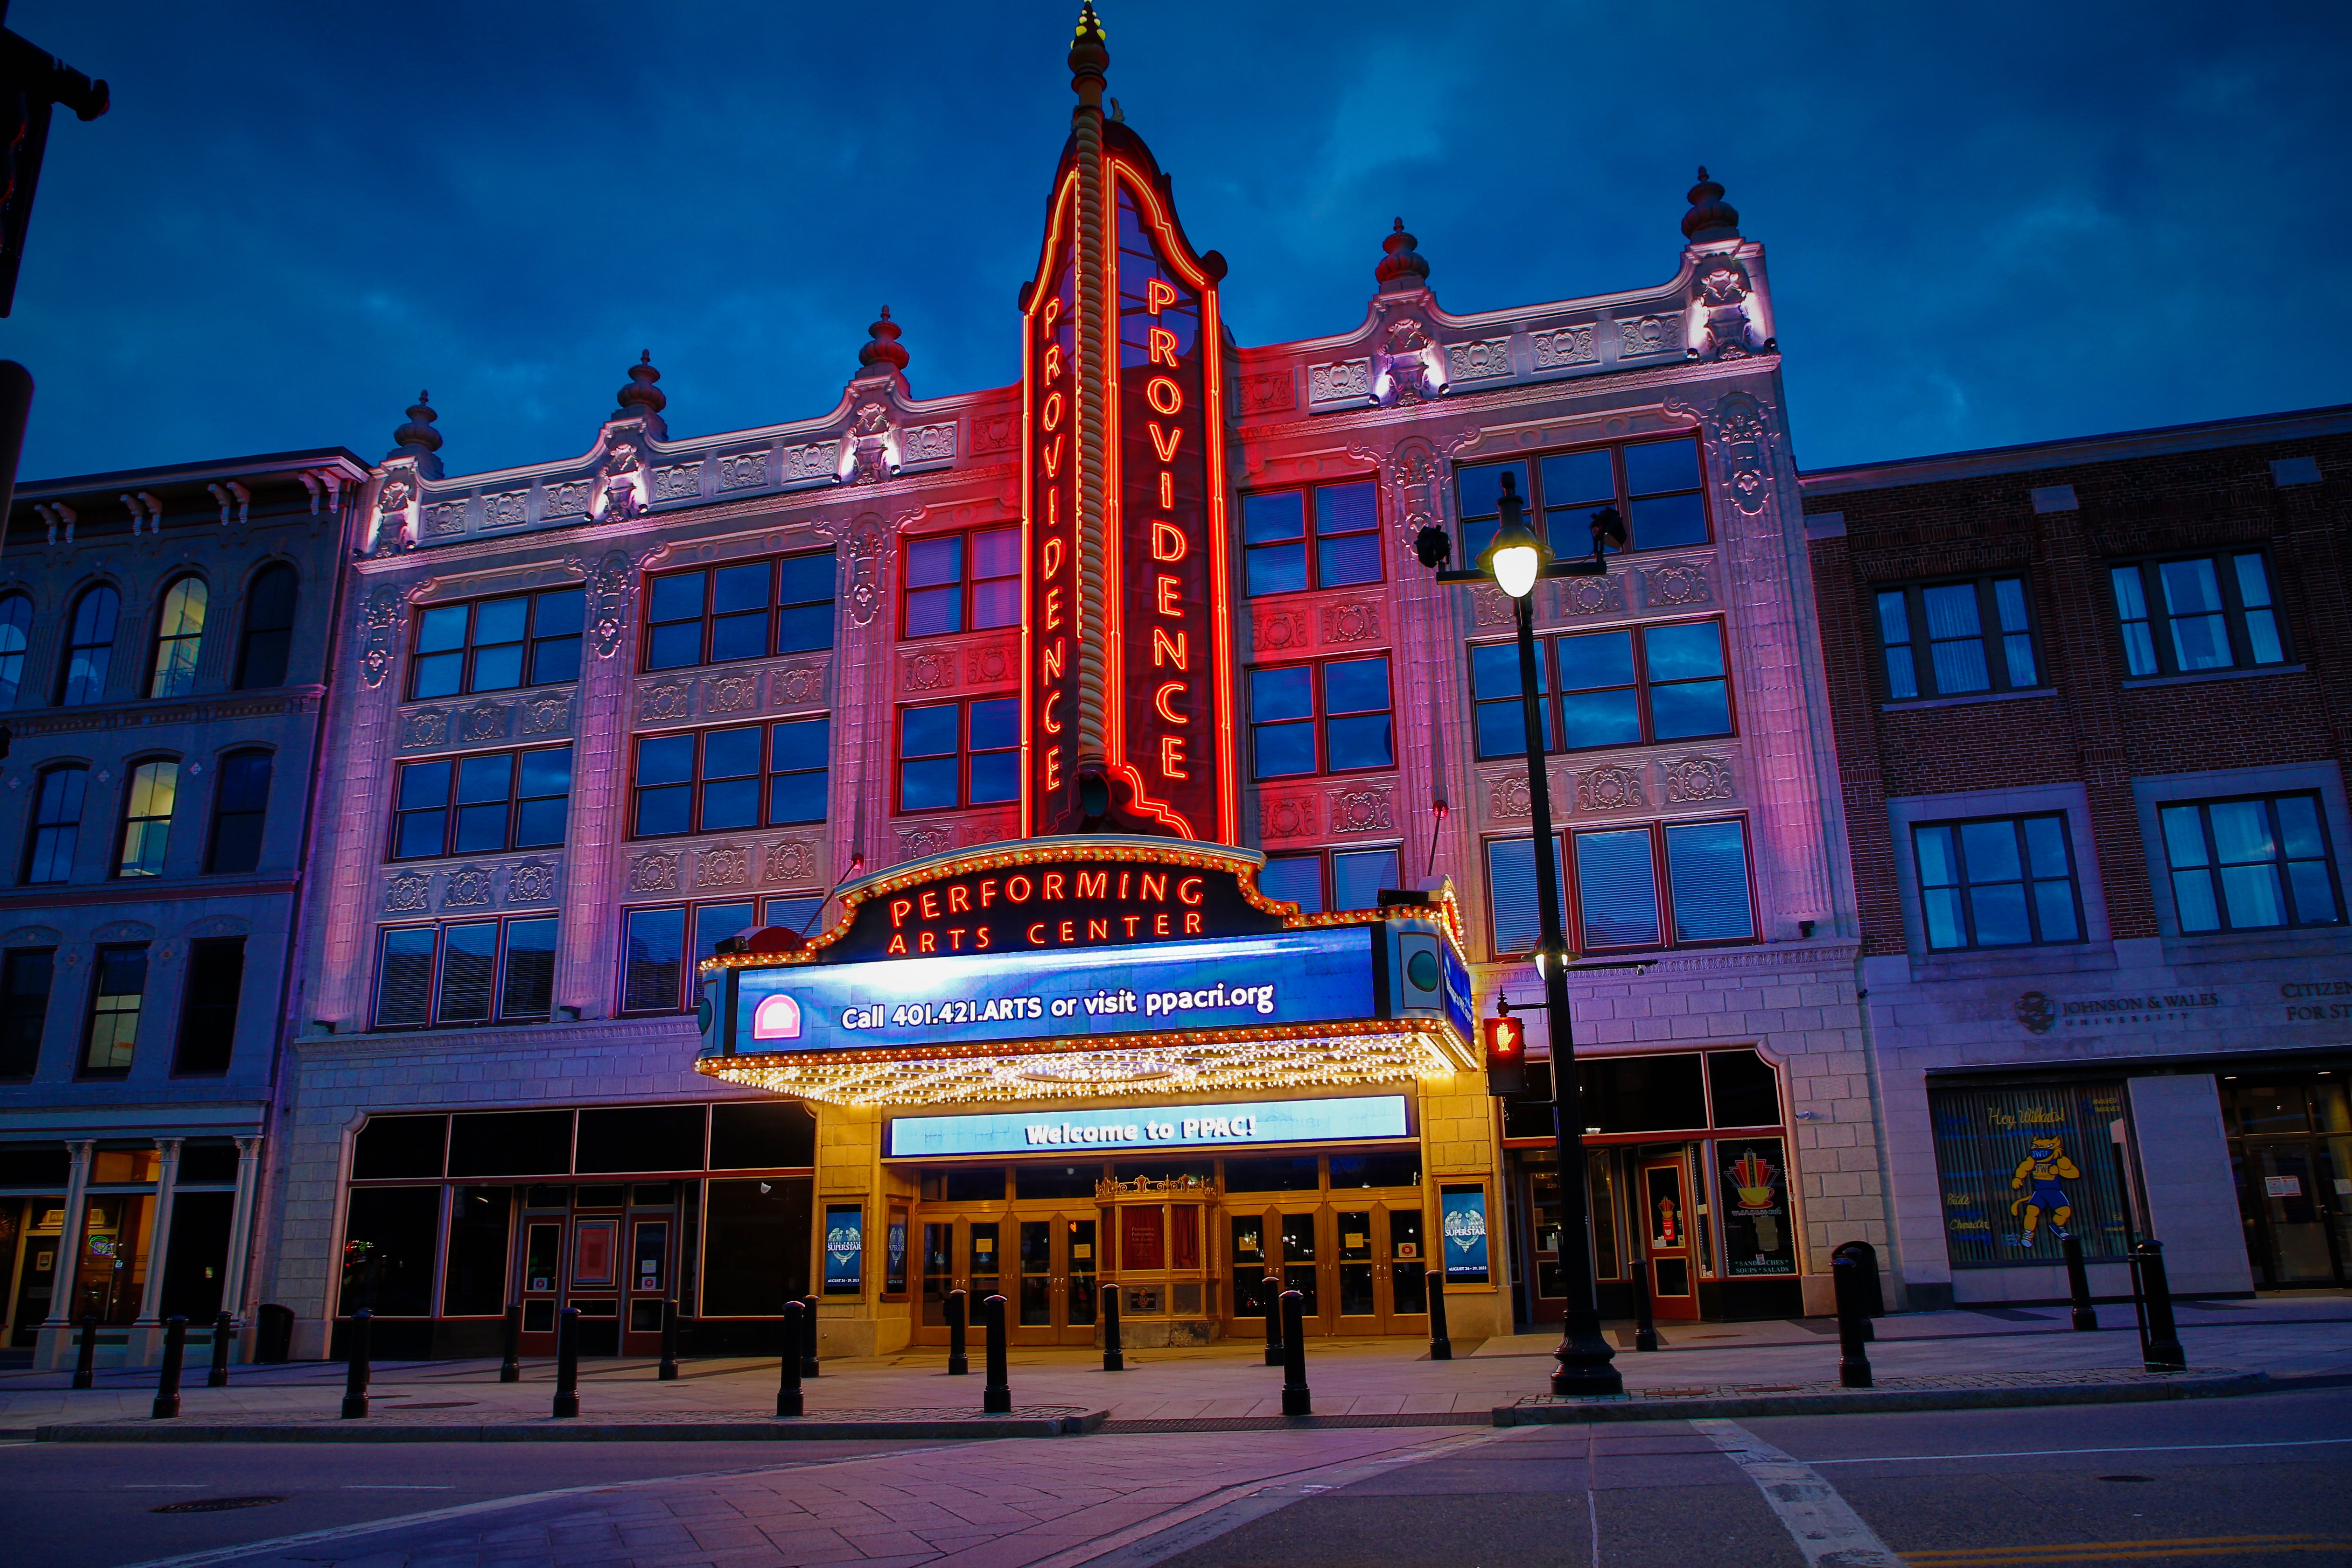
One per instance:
(1516,557)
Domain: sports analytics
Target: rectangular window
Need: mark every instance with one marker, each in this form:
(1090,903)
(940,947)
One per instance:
(2253,864)
(2001,881)
(117,989)
(496,645)
(1334,717)
(470,972)
(1325,880)
(2203,612)
(1657,486)
(1952,639)
(717,781)
(1630,686)
(1660,885)
(27,975)
(718,614)
(147,808)
(240,807)
(481,805)
(1323,537)
(959,753)
(208,1016)
(657,966)
(962,582)
(2021,1169)
(56,825)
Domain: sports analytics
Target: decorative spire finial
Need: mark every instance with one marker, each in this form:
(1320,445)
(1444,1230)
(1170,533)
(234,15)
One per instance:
(884,351)
(1710,216)
(417,436)
(1090,57)
(1401,267)
(641,391)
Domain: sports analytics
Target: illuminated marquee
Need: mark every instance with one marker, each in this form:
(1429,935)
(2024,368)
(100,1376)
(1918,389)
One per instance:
(955,979)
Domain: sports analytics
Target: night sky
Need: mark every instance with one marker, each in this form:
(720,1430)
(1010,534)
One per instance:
(1985,223)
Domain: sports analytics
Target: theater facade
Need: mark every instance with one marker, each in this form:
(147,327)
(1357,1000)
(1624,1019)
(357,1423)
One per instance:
(1058,835)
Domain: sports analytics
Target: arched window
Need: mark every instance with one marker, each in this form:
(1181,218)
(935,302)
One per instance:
(179,633)
(16,628)
(240,802)
(268,628)
(89,645)
(147,818)
(56,824)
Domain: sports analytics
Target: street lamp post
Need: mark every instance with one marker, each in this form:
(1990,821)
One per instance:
(1514,561)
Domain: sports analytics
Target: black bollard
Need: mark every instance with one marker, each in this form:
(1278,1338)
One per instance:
(997,1397)
(1272,1299)
(1441,1342)
(567,1363)
(808,1339)
(668,1371)
(355,1364)
(86,1366)
(1114,1354)
(1853,1317)
(788,1387)
(510,1363)
(2078,1285)
(959,1364)
(224,1329)
(1645,1321)
(175,1351)
(1295,1400)
(2160,1339)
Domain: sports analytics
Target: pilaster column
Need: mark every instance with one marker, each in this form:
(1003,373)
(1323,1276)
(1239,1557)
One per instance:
(594,866)
(240,1225)
(62,1282)
(159,1230)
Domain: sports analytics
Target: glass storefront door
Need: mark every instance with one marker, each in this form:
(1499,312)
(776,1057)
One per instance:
(2292,1144)
(1665,1190)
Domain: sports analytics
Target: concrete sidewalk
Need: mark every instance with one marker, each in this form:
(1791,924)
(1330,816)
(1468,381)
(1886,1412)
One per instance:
(1227,1382)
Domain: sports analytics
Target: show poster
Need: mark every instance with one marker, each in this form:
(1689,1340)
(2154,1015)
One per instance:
(1463,1212)
(2020,1170)
(844,1249)
(1759,1238)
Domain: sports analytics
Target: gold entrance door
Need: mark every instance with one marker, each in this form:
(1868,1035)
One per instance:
(1666,1191)
(1380,1262)
(971,1255)
(1055,1301)
(1307,1262)
(545,1248)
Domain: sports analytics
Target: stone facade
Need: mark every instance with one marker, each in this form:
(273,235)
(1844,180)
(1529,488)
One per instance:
(146,1160)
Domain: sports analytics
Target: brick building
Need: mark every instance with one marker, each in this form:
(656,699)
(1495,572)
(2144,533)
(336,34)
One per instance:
(2094,707)
(600,713)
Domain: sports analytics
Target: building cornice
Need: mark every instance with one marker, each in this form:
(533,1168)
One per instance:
(2080,451)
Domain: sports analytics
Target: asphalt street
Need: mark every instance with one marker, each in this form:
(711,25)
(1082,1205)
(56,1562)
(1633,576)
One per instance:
(2206,1483)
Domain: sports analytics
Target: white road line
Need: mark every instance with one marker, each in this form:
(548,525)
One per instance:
(1823,1524)
(2053,1453)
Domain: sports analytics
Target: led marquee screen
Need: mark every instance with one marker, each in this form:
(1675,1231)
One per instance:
(1315,976)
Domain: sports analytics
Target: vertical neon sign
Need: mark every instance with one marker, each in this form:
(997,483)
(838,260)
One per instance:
(1051,618)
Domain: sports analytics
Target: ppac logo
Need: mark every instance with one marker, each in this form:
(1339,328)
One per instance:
(776,1018)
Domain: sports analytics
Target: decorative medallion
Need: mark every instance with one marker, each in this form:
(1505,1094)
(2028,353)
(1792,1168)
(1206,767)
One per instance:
(1364,810)
(726,866)
(469,888)
(1357,620)
(653,874)
(1692,779)
(1609,789)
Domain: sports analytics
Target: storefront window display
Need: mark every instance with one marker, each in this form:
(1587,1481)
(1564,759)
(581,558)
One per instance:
(1759,1237)
(2021,1169)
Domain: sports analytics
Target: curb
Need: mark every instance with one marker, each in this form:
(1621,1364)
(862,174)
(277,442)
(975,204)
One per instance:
(806,1429)
(1864,1401)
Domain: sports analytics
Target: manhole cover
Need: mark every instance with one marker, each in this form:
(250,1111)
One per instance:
(216,1504)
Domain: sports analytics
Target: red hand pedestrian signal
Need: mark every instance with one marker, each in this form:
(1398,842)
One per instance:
(1507,1054)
